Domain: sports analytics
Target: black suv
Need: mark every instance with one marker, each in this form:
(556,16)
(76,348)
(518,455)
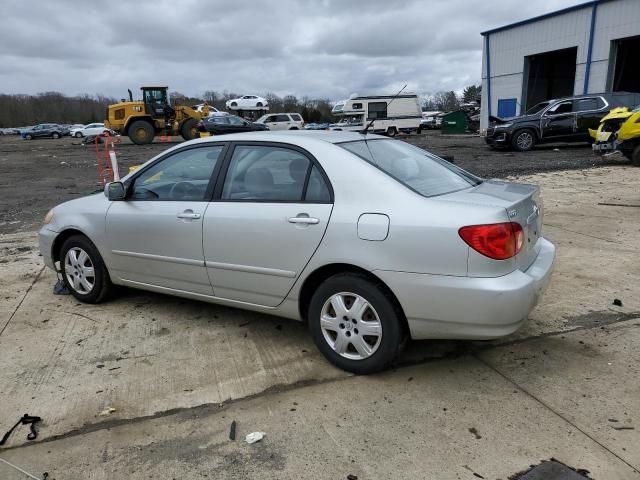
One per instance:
(561,120)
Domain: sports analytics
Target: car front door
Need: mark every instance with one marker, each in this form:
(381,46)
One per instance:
(154,237)
(559,121)
(268,217)
(238,125)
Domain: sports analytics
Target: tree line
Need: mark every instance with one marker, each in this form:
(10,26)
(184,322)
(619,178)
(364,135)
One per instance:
(55,107)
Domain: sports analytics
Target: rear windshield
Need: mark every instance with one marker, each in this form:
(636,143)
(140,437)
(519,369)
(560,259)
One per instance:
(415,168)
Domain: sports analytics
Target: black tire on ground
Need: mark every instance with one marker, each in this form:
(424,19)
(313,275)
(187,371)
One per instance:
(635,156)
(393,331)
(141,132)
(55,135)
(234,104)
(293,128)
(419,131)
(392,132)
(189,131)
(259,104)
(101,281)
(28,137)
(523,140)
(78,135)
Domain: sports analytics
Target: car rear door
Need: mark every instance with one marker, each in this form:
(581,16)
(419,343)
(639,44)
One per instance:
(154,237)
(559,121)
(589,111)
(269,214)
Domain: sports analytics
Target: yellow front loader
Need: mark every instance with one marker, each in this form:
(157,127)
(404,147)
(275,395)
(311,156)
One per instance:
(154,115)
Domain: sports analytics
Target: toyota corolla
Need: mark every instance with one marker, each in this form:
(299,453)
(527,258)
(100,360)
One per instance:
(368,240)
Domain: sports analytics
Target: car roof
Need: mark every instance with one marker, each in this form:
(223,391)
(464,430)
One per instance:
(288,136)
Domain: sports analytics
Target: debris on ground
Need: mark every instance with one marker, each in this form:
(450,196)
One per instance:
(232,431)
(615,427)
(26,419)
(475,432)
(107,411)
(60,288)
(254,437)
(617,302)
(351,476)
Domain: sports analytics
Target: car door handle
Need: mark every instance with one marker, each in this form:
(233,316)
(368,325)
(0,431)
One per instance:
(189,215)
(304,220)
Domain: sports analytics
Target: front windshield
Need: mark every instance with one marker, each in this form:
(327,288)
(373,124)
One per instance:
(637,109)
(415,168)
(536,108)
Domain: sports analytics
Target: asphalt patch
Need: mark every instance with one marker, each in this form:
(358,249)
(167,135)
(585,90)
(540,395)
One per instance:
(552,470)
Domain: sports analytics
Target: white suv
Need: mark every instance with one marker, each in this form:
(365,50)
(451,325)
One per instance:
(282,121)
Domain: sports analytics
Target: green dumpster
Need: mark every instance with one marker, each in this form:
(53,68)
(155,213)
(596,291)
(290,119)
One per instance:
(454,122)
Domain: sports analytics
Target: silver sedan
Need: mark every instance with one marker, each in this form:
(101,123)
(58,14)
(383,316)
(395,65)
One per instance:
(369,240)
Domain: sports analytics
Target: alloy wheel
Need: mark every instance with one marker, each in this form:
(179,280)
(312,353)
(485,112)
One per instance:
(79,270)
(351,326)
(524,141)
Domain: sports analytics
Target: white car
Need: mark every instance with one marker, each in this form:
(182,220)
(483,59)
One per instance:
(282,121)
(212,110)
(91,129)
(248,102)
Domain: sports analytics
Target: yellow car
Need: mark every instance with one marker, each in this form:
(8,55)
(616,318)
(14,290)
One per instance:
(619,131)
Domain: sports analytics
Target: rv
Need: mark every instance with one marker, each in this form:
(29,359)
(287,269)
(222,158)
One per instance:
(391,114)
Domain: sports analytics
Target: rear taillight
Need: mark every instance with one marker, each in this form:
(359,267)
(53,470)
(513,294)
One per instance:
(497,240)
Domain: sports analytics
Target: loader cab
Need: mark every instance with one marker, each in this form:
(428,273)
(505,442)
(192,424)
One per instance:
(155,101)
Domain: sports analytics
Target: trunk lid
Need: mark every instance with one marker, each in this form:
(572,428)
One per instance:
(522,204)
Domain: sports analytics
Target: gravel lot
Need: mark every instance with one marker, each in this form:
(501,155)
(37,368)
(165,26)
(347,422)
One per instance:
(39,174)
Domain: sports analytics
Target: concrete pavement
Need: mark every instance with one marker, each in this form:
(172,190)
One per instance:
(177,372)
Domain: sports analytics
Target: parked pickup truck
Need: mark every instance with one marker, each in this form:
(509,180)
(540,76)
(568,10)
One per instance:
(560,120)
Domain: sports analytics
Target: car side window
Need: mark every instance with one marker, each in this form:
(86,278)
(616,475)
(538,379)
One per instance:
(219,120)
(562,107)
(587,104)
(183,176)
(266,173)
(317,189)
(281,118)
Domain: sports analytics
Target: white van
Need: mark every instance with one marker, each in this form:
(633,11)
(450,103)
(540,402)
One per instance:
(393,114)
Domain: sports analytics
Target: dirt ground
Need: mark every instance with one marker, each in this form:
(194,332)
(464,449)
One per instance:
(147,386)
(39,174)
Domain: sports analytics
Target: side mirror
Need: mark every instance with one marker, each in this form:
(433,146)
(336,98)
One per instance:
(115,191)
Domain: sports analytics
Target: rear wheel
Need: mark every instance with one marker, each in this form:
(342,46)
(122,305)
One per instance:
(141,132)
(635,156)
(55,135)
(392,132)
(259,104)
(523,140)
(189,131)
(28,137)
(83,270)
(355,324)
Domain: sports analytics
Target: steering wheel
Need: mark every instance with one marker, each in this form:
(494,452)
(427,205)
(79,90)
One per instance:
(182,191)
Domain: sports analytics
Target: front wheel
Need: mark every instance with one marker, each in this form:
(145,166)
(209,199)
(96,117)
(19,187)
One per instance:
(141,132)
(355,324)
(78,135)
(83,270)
(28,137)
(523,140)
(392,132)
(189,129)
(55,135)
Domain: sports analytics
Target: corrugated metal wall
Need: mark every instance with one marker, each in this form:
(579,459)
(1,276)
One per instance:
(615,19)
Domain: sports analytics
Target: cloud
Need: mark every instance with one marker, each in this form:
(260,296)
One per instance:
(327,48)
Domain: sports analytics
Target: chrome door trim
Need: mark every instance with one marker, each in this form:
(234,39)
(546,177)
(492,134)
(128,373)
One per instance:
(249,269)
(160,258)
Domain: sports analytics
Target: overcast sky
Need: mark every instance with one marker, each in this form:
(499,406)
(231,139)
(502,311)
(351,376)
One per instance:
(319,48)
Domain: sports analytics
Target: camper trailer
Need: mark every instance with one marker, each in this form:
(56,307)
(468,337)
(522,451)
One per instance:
(391,114)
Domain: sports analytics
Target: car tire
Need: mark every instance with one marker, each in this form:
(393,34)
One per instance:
(234,104)
(293,128)
(141,132)
(523,140)
(259,104)
(55,135)
(635,156)
(341,341)
(189,129)
(78,135)
(83,270)
(28,137)
(392,132)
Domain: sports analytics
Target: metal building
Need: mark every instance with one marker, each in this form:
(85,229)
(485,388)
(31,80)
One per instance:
(588,48)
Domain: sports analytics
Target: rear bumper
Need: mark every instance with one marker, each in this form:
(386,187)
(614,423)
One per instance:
(439,306)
